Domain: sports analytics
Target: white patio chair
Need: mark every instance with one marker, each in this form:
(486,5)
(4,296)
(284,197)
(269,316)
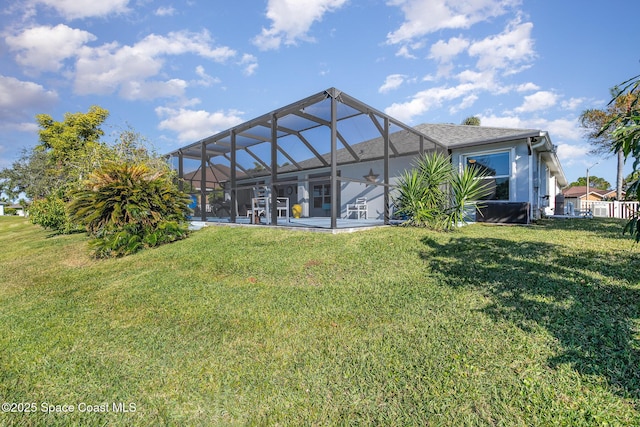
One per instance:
(359,208)
(259,205)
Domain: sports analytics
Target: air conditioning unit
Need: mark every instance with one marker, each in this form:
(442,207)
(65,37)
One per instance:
(600,210)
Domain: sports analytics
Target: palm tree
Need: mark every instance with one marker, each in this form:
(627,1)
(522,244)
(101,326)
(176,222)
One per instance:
(599,126)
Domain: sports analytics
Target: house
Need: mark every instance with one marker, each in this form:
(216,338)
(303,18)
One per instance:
(19,209)
(328,150)
(2,205)
(579,199)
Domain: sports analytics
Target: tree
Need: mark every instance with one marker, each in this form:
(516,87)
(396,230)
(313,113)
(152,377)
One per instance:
(599,126)
(67,151)
(73,145)
(471,121)
(594,182)
(29,174)
(624,128)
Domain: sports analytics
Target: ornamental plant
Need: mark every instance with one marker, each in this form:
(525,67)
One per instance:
(126,207)
(435,195)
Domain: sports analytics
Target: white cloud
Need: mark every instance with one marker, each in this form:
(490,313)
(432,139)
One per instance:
(428,99)
(392,82)
(540,100)
(250,64)
(44,48)
(18,98)
(559,128)
(405,53)
(502,121)
(205,79)
(527,87)
(192,125)
(110,67)
(467,102)
(76,9)
(292,20)
(571,154)
(173,88)
(572,103)
(512,47)
(165,11)
(444,51)
(567,129)
(427,16)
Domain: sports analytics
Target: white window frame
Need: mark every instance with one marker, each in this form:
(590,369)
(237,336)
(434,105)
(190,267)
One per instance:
(512,167)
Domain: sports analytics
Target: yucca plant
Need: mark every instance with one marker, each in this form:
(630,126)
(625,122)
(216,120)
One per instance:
(435,195)
(126,207)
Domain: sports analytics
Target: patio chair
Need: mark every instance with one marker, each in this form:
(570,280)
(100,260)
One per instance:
(259,205)
(359,208)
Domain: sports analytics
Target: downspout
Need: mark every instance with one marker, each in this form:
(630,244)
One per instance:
(532,148)
(531,187)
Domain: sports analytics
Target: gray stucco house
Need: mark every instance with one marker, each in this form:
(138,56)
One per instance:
(329,151)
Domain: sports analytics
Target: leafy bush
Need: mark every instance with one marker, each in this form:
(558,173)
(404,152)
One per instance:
(51,214)
(127,207)
(435,195)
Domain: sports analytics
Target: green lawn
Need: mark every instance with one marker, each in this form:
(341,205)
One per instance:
(491,325)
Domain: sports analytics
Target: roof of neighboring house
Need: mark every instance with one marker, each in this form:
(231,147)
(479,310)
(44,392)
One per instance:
(214,173)
(581,190)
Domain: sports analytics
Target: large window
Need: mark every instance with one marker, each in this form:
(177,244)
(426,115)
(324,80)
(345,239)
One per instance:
(497,170)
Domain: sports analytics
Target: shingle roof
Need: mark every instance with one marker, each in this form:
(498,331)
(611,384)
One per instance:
(462,135)
(580,190)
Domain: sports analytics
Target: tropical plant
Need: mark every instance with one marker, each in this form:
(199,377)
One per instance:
(435,195)
(624,128)
(599,126)
(471,121)
(127,207)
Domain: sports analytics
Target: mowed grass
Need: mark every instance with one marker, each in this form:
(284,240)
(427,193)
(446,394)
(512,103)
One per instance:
(491,325)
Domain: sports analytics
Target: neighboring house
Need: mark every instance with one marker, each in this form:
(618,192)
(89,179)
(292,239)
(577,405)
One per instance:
(2,204)
(19,209)
(332,149)
(577,195)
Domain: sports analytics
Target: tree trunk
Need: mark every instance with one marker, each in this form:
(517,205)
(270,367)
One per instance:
(620,176)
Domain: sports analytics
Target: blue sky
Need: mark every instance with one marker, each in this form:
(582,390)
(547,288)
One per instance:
(179,71)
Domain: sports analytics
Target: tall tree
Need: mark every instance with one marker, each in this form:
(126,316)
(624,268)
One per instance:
(72,145)
(594,182)
(67,151)
(624,128)
(599,126)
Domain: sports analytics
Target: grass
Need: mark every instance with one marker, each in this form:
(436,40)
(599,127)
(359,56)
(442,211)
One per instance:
(491,325)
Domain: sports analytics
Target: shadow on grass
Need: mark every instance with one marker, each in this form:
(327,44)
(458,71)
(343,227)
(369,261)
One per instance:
(587,301)
(604,227)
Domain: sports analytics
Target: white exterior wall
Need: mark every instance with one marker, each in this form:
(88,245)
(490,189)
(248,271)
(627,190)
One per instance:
(350,191)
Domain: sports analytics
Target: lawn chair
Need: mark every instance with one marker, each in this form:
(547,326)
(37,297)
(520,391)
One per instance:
(359,208)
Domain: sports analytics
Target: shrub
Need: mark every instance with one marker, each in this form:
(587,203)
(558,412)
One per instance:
(127,207)
(435,195)
(51,214)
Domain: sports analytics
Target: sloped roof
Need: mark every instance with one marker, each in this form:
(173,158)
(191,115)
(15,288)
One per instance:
(580,191)
(454,136)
